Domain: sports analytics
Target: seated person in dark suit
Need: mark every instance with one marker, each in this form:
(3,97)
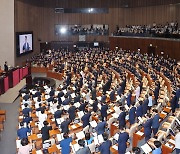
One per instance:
(45,131)
(104,148)
(22,132)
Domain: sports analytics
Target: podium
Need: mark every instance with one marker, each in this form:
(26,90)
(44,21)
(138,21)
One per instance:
(2,91)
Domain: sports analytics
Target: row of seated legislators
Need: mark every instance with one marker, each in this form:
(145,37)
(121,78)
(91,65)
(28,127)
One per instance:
(107,102)
(169,30)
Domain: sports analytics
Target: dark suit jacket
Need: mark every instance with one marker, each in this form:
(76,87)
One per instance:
(147,127)
(26,46)
(155,121)
(85,119)
(139,111)
(95,107)
(121,118)
(100,128)
(104,109)
(64,126)
(72,112)
(132,115)
(45,132)
(123,137)
(112,95)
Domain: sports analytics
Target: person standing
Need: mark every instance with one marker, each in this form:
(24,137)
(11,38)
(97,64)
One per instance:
(5,66)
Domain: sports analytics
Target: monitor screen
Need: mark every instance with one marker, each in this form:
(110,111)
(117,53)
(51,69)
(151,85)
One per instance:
(24,43)
(96,44)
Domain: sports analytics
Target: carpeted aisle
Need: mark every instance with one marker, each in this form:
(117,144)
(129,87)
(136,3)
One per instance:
(8,136)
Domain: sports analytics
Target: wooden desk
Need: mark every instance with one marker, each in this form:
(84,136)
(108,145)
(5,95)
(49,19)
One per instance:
(114,129)
(55,75)
(75,130)
(136,139)
(54,132)
(39,69)
(114,151)
(53,149)
(166,149)
(33,137)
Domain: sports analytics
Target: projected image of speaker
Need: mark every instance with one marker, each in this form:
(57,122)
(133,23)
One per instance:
(24,43)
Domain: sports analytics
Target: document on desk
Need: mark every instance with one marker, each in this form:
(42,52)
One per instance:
(99,98)
(39,152)
(91,101)
(140,133)
(96,142)
(126,107)
(60,137)
(116,136)
(80,135)
(100,139)
(80,114)
(76,147)
(73,88)
(73,95)
(77,105)
(172,141)
(62,98)
(118,98)
(18,143)
(93,123)
(115,115)
(83,94)
(146,148)
(64,91)
(47,97)
(66,107)
(140,119)
(115,147)
(73,126)
(99,105)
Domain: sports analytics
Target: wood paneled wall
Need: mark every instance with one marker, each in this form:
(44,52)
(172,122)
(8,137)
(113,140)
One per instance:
(169,47)
(39,16)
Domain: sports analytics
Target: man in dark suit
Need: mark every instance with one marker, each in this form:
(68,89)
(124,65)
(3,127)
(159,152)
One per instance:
(104,109)
(65,126)
(100,128)
(147,127)
(45,131)
(173,103)
(5,66)
(82,106)
(93,93)
(103,98)
(26,46)
(58,114)
(122,145)
(129,98)
(112,95)
(66,101)
(132,114)
(121,118)
(95,105)
(104,148)
(72,112)
(155,121)
(145,105)
(139,111)
(85,118)
(77,98)
(119,90)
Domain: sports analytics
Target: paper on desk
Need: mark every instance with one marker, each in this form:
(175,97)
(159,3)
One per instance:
(90,101)
(80,114)
(66,107)
(99,98)
(140,119)
(47,96)
(80,135)
(93,123)
(39,152)
(126,107)
(140,133)
(115,115)
(76,147)
(118,98)
(18,143)
(146,148)
(77,105)
(116,136)
(172,141)
(64,91)
(115,147)
(60,137)
(99,105)
(73,126)
(73,95)
(128,152)
(100,139)
(83,94)
(96,142)
(73,88)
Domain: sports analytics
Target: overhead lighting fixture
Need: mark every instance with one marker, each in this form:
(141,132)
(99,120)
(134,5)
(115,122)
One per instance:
(63,30)
(90,10)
